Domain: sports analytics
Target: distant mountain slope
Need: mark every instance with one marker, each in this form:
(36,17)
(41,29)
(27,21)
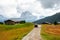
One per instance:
(16,19)
(50,19)
(2,18)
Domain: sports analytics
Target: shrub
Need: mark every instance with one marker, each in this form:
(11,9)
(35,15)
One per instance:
(1,22)
(22,21)
(55,23)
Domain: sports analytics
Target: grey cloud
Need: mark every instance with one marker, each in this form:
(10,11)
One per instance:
(19,10)
(49,3)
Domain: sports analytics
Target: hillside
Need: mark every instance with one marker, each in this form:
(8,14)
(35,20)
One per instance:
(50,19)
(2,18)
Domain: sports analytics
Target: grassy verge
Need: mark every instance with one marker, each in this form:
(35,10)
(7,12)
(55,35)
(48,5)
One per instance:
(15,32)
(52,32)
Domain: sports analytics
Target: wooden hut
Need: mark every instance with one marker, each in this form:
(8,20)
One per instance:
(46,23)
(9,22)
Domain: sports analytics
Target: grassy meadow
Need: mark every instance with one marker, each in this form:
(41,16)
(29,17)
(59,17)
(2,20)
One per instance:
(50,32)
(15,32)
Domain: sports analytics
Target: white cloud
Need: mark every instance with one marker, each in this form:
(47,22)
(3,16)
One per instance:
(9,9)
(7,2)
(11,12)
(35,7)
(31,5)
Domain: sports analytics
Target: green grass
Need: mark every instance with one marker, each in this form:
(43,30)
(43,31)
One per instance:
(47,36)
(8,27)
(15,32)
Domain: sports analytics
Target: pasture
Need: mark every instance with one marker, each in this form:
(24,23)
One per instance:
(50,32)
(15,32)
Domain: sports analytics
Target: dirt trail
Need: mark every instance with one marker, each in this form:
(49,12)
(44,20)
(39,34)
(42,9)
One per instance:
(34,34)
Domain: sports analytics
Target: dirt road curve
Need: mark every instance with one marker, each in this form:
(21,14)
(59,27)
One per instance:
(34,34)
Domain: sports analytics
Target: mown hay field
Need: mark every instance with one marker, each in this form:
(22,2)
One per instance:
(15,32)
(50,32)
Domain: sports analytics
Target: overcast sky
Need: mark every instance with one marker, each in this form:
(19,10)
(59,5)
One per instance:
(38,8)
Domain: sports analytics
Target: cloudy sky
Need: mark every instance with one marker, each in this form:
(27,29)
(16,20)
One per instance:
(37,8)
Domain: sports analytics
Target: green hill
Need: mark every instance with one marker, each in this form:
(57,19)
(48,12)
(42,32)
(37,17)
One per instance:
(50,19)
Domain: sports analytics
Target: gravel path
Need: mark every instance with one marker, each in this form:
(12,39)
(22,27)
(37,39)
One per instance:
(34,34)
